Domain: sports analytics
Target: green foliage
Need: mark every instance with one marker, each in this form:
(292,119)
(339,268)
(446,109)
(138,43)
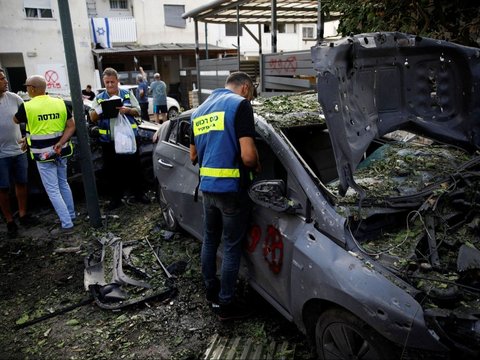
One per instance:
(454,20)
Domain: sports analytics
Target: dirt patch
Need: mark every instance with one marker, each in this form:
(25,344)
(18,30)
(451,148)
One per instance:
(41,275)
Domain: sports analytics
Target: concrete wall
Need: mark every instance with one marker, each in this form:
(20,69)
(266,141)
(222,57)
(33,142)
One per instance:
(151,28)
(150,18)
(34,43)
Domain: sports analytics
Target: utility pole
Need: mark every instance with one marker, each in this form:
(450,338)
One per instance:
(86,164)
(320,23)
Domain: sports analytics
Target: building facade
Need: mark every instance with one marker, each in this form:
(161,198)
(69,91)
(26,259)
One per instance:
(125,34)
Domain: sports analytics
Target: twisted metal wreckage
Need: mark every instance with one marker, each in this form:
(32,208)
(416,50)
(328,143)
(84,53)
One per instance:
(121,274)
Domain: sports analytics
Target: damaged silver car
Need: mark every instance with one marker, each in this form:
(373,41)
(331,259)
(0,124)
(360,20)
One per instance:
(366,227)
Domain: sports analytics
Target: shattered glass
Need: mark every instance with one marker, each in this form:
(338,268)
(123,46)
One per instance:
(289,110)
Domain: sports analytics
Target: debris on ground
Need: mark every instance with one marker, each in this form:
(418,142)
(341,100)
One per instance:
(47,313)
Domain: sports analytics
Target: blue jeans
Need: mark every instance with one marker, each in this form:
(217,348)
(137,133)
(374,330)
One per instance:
(226,218)
(54,179)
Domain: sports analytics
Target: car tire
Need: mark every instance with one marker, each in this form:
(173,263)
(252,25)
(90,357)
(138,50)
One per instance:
(168,214)
(172,112)
(341,335)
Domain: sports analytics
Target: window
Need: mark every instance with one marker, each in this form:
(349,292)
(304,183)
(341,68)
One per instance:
(231,29)
(291,28)
(173,16)
(308,32)
(282,28)
(119,4)
(38,9)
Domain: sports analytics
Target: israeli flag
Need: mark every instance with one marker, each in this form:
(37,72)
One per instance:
(101,32)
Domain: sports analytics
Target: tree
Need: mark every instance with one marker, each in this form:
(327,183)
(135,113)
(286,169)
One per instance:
(454,20)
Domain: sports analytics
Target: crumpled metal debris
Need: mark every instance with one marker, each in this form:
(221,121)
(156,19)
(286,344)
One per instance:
(420,218)
(111,287)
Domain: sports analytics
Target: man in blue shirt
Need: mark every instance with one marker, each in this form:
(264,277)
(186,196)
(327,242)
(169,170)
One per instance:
(159,92)
(121,171)
(142,94)
(223,143)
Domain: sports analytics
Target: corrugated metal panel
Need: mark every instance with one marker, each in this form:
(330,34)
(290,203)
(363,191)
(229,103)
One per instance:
(122,30)
(224,348)
(214,72)
(256,11)
(288,71)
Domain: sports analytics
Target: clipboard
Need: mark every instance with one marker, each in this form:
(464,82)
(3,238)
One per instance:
(109,107)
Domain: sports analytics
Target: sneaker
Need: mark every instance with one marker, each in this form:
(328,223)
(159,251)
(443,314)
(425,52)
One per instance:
(12,229)
(29,220)
(59,232)
(232,311)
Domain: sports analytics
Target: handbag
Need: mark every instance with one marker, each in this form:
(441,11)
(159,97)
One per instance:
(124,136)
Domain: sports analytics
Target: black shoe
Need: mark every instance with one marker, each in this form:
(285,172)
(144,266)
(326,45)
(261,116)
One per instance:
(232,311)
(212,293)
(29,220)
(12,229)
(62,232)
(113,204)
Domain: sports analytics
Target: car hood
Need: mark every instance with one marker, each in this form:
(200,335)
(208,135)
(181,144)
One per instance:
(148,125)
(372,84)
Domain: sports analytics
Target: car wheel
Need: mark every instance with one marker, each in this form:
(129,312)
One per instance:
(172,112)
(341,335)
(168,214)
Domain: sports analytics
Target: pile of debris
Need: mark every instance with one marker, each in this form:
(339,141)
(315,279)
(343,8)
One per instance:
(420,218)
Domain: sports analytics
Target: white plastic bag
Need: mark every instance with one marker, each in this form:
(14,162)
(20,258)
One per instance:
(124,136)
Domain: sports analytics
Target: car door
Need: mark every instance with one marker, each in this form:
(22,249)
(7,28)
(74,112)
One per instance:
(177,177)
(272,236)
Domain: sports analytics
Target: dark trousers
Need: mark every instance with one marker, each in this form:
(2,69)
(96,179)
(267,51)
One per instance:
(226,218)
(144,110)
(122,172)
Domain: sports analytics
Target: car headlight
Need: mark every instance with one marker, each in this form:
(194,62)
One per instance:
(145,135)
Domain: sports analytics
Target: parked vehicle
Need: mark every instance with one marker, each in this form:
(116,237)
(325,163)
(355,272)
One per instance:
(365,226)
(172,104)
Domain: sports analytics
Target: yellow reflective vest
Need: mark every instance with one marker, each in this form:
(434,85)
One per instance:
(46,122)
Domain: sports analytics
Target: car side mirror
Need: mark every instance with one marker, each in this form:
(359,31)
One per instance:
(271,194)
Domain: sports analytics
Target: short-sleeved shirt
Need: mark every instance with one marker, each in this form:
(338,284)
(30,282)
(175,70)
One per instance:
(243,122)
(159,92)
(142,86)
(10,133)
(90,95)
